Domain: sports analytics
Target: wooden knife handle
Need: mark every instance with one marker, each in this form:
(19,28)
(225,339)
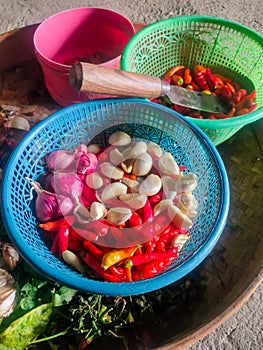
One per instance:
(98,79)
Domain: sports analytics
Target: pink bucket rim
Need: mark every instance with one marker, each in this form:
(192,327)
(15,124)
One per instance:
(50,18)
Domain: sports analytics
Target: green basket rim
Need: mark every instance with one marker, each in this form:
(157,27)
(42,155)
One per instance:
(220,123)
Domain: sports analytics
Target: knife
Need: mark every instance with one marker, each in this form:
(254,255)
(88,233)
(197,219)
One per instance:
(87,77)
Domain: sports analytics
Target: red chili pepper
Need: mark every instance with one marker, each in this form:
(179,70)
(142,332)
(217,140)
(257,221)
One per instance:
(154,268)
(231,113)
(177,80)
(135,220)
(222,78)
(187,76)
(95,265)
(86,233)
(88,194)
(225,93)
(194,86)
(239,95)
(200,80)
(74,235)
(101,227)
(181,109)
(147,211)
(146,258)
(128,274)
(75,246)
(172,71)
(156,198)
(242,111)
(211,80)
(117,271)
(93,249)
(246,101)
(55,225)
(62,238)
(199,69)
(252,107)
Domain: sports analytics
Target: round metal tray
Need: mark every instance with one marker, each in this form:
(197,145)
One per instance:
(234,268)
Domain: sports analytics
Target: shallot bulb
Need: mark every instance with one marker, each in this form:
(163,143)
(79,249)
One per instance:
(61,160)
(68,184)
(86,162)
(49,206)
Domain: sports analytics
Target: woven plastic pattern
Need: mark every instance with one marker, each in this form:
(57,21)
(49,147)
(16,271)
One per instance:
(228,48)
(95,121)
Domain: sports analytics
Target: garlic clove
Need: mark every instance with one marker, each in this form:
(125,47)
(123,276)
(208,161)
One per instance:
(134,200)
(118,215)
(142,165)
(97,210)
(111,171)
(169,187)
(151,185)
(73,260)
(168,165)
(113,190)
(179,218)
(154,149)
(94,180)
(119,138)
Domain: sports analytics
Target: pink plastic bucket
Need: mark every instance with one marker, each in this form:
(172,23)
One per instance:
(92,35)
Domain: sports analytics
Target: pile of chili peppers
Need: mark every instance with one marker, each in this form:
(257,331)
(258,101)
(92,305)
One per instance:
(202,79)
(126,264)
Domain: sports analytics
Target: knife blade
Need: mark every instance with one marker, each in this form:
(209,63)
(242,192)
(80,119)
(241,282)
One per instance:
(87,77)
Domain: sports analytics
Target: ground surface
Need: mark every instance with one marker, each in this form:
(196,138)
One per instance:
(244,330)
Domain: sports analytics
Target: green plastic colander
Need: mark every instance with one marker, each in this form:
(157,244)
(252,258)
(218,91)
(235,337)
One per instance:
(228,48)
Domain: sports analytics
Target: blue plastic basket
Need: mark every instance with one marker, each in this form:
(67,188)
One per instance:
(80,124)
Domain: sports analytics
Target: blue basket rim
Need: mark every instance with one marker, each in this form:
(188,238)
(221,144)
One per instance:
(113,288)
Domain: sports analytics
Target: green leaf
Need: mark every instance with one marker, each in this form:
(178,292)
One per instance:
(63,296)
(25,329)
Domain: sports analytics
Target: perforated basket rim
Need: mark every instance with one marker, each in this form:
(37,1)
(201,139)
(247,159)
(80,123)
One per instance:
(112,288)
(220,123)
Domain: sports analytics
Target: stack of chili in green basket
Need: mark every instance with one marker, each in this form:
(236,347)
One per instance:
(202,79)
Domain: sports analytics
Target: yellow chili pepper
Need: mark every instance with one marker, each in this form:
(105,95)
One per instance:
(116,255)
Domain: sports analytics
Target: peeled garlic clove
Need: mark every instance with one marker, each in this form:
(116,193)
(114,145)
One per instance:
(116,157)
(73,260)
(132,184)
(82,214)
(7,300)
(142,165)
(111,171)
(151,185)
(5,278)
(154,149)
(139,148)
(10,255)
(161,206)
(134,200)
(97,210)
(169,187)
(180,240)
(119,138)
(118,215)
(168,165)
(186,183)
(188,204)
(94,180)
(93,148)
(179,218)
(127,166)
(18,123)
(113,190)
